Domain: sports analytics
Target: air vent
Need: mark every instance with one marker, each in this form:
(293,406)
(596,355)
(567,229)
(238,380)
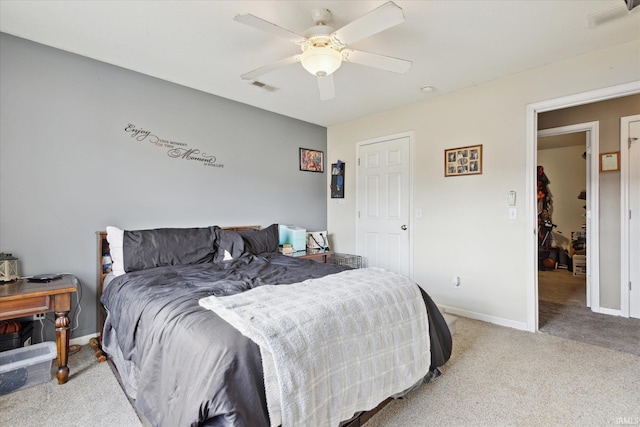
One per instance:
(606,16)
(264,86)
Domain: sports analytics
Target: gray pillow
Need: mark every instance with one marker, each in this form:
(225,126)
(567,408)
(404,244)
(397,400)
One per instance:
(144,249)
(228,245)
(262,241)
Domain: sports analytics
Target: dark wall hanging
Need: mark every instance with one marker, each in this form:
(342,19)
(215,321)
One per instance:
(337,180)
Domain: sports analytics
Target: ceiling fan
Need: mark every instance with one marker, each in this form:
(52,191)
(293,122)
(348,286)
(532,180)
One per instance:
(325,48)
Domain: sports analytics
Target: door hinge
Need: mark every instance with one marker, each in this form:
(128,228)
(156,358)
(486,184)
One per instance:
(358,214)
(629,285)
(358,161)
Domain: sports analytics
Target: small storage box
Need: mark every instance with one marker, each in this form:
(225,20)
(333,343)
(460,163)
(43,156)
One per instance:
(293,235)
(22,338)
(26,366)
(579,265)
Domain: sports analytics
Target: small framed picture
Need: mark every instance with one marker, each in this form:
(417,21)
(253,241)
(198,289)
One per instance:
(463,161)
(610,162)
(311,160)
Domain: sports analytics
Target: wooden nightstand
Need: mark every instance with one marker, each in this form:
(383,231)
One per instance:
(318,255)
(23,298)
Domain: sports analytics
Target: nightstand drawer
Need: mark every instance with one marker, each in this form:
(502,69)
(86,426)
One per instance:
(322,257)
(26,306)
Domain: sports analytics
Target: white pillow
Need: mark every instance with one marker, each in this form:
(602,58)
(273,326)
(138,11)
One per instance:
(115,237)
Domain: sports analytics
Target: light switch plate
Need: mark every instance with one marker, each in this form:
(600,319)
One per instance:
(513,213)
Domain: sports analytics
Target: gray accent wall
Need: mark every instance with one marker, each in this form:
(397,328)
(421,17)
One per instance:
(71,162)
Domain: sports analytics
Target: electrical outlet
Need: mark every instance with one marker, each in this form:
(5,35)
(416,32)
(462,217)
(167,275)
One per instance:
(39,316)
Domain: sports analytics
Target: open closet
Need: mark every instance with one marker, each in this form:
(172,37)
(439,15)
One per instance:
(561,192)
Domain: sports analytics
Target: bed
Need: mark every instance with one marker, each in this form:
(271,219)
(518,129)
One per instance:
(194,326)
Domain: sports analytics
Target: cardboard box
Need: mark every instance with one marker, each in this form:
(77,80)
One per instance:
(579,265)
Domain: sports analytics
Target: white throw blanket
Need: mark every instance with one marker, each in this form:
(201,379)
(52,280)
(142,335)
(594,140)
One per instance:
(333,346)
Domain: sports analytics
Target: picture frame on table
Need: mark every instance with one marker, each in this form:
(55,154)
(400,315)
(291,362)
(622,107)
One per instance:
(311,160)
(463,161)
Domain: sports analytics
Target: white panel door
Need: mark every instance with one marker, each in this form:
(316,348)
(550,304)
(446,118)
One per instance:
(383,204)
(634,220)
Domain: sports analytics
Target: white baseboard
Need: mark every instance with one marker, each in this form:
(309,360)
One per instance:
(84,340)
(485,317)
(609,311)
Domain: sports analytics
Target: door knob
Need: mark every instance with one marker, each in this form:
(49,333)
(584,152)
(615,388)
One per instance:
(404,227)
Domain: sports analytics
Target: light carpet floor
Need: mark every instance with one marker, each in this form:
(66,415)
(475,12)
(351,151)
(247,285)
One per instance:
(562,287)
(504,377)
(91,397)
(497,376)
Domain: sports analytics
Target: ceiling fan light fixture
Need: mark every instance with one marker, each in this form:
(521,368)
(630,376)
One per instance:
(321,61)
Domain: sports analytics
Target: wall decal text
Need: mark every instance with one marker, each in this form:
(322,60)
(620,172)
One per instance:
(175,150)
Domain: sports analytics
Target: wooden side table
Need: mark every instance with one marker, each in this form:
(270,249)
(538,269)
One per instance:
(23,298)
(318,255)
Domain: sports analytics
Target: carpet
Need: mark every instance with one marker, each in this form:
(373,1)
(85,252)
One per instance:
(499,377)
(581,324)
(496,376)
(561,286)
(91,397)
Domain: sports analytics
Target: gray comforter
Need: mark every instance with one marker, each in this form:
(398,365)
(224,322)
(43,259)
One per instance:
(186,366)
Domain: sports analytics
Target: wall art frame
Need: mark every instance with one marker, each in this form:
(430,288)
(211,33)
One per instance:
(463,161)
(610,162)
(311,160)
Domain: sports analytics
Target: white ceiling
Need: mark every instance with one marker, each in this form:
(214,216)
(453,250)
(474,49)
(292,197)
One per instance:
(453,45)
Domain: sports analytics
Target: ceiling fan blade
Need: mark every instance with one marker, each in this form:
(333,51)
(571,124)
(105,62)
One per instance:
(326,87)
(251,75)
(261,24)
(380,19)
(382,62)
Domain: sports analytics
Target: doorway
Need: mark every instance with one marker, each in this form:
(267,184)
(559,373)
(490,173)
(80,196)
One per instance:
(530,200)
(384,226)
(570,220)
(563,208)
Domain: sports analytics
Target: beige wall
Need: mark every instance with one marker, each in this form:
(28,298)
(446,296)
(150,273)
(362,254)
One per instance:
(608,114)
(465,230)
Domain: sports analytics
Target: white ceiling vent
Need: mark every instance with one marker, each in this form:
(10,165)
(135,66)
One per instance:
(264,86)
(607,15)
